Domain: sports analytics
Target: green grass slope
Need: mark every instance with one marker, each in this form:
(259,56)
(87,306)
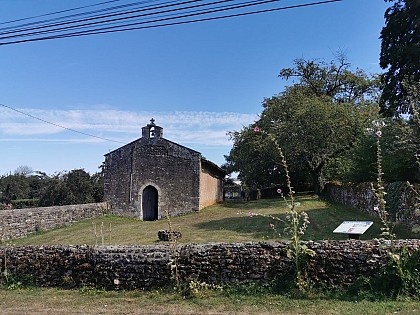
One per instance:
(226,222)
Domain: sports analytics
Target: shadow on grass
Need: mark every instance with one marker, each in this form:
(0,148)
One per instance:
(249,205)
(265,203)
(257,226)
(321,226)
(323,222)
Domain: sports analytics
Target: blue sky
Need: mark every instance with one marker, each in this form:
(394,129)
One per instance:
(198,80)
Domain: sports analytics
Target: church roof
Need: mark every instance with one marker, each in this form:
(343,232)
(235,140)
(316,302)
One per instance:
(145,135)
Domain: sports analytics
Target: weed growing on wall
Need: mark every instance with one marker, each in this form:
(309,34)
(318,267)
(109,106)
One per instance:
(10,280)
(4,270)
(379,191)
(398,278)
(296,222)
(401,275)
(173,257)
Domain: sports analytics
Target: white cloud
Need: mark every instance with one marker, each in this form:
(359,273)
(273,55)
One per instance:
(203,128)
(65,140)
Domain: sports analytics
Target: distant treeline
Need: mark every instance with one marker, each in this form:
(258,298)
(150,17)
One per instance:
(25,188)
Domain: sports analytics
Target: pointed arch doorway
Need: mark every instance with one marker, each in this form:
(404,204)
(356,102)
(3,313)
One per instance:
(150,203)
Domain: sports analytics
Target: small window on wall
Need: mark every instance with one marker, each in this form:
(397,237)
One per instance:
(152,132)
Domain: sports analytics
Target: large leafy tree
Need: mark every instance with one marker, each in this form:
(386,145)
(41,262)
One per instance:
(400,55)
(73,187)
(79,187)
(400,142)
(317,119)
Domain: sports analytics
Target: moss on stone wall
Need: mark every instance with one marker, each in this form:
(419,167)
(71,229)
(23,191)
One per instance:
(336,263)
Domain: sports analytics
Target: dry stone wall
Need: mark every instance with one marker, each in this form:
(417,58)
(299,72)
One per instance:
(20,222)
(402,199)
(148,266)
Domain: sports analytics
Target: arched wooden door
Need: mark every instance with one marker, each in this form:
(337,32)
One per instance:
(150,203)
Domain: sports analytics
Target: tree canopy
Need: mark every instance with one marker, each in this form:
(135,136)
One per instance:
(27,188)
(400,55)
(400,141)
(317,119)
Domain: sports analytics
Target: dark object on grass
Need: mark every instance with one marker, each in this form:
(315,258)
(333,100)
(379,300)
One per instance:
(166,236)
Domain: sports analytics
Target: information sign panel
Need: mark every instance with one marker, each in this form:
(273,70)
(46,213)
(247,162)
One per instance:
(353,227)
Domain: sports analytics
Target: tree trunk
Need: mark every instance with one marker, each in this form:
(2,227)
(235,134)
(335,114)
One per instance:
(317,180)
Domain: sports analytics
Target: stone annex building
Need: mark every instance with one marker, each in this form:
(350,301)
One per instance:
(152,175)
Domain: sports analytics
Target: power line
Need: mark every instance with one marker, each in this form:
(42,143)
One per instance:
(74,15)
(58,12)
(98,17)
(60,126)
(187,14)
(136,26)
(147,8)
(126,28)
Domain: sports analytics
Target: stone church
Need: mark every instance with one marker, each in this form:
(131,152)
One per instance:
(152,175)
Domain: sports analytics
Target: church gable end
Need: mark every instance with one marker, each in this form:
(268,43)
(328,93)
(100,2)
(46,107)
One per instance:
(152,172)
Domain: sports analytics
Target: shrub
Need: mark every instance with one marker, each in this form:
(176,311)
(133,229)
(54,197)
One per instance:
(25,203)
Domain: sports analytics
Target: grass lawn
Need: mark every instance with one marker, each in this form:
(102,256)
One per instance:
(226,222)
(55,301)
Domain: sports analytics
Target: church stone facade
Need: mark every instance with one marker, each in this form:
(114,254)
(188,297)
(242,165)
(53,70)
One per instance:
(151,176)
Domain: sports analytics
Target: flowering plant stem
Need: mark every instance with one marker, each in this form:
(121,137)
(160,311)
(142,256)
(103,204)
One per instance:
(398,257)
(173,259)
(297,222)
(380,192)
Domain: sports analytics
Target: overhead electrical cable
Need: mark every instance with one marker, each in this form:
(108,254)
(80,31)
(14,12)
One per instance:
(187,14)
(146,8)
(141,25)
(80,26)
(143,17)
(60,126)
(74,15)
(148,17)
(121,18)
(58,12)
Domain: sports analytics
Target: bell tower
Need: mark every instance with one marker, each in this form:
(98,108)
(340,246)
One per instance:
(152,131)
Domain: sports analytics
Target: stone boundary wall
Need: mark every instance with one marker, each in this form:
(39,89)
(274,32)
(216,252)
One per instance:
(17,223)
(402,202)
(148,266)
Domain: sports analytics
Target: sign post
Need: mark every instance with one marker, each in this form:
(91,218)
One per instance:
(353,228)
